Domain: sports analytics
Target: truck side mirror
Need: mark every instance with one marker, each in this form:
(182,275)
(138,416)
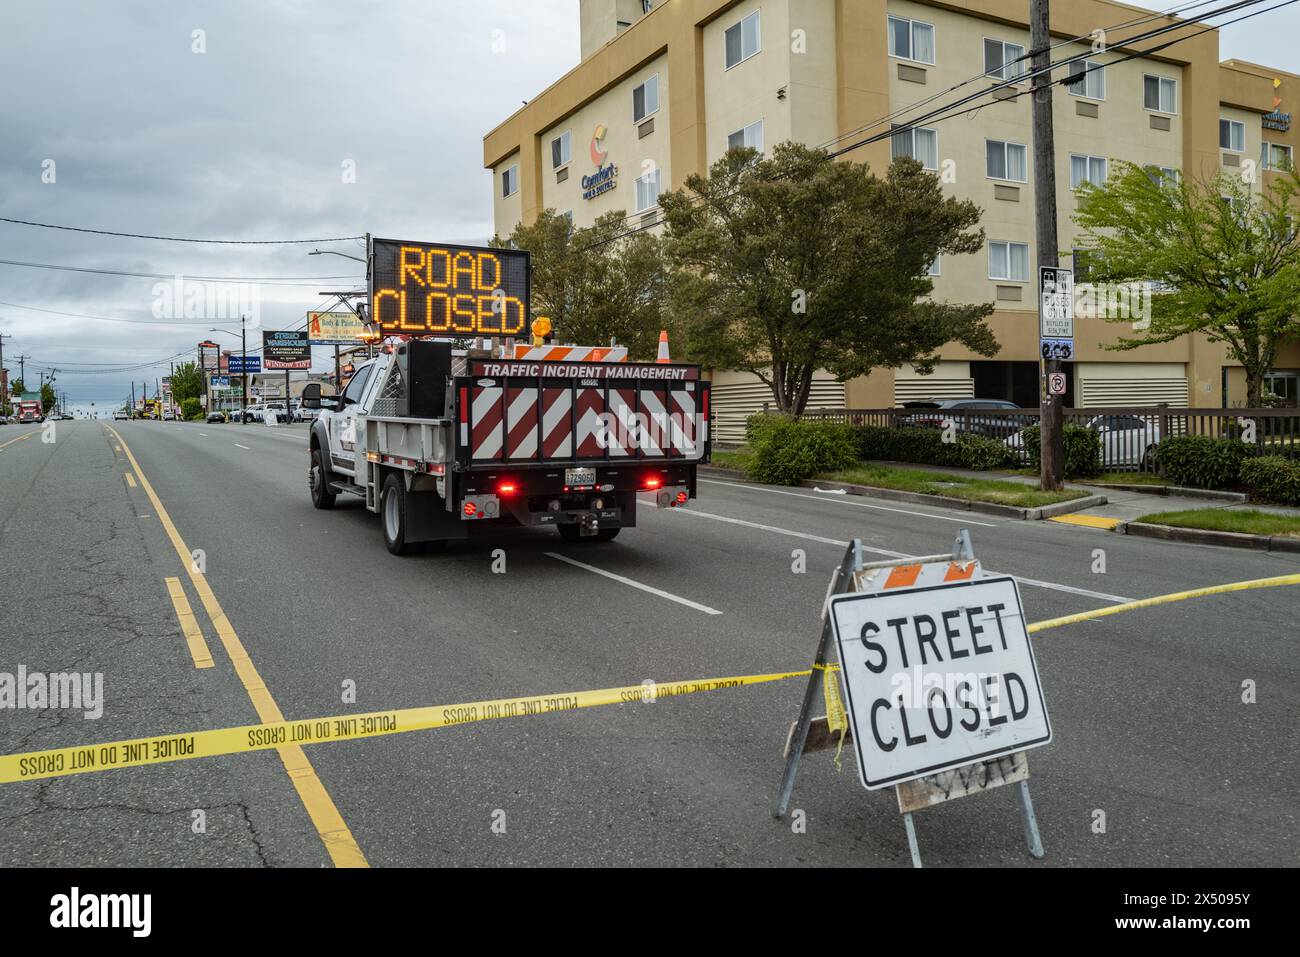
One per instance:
(311,396)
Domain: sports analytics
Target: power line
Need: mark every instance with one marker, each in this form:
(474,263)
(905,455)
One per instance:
(154,275)
(180,239)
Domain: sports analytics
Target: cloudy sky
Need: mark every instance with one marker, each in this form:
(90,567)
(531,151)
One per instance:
(110,119)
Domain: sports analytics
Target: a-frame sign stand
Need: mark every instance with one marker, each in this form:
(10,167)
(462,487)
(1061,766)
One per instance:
(912,795)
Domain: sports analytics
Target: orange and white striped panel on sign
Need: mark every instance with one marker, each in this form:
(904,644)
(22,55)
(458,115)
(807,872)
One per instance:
(527,353)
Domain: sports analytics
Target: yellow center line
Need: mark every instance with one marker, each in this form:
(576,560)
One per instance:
(130,480)
(189,624)
(19,439)
(329,823)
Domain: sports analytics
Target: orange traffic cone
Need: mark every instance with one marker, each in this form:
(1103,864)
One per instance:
(663,346)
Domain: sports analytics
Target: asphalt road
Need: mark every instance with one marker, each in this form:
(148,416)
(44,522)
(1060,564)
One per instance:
(1150,727)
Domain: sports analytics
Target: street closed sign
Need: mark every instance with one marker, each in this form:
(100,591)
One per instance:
(937,677)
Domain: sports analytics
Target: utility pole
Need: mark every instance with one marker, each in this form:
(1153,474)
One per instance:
(4,394)
(1051,450)
(243,378)
(22,370)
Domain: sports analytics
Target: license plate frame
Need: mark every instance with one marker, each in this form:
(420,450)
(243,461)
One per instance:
(579,476)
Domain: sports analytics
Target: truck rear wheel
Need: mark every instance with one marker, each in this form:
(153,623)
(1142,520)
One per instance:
(394,517)
(318,480)
(570,533)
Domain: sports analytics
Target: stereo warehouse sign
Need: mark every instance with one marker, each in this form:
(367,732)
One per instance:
(937,677)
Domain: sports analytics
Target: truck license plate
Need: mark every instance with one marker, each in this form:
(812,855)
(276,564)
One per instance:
(579,476)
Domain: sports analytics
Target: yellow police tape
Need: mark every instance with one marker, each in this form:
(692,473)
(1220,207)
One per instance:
(261,737)
(161,749)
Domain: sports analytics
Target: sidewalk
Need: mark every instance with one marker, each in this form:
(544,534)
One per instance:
(1121,506)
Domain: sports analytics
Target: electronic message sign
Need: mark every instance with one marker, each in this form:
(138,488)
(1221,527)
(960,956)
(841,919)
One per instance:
(433,289)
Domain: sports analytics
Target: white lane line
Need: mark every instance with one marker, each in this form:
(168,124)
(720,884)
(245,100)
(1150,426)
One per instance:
(842,501)
(203,433)
(886,553)
(635,584)
(244,447)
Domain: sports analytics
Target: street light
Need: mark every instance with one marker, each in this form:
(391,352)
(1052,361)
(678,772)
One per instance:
(330,252)
(243,371)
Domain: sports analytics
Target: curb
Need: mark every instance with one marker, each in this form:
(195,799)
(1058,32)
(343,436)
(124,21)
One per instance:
(961,504)
(1176,490)
(1206,536)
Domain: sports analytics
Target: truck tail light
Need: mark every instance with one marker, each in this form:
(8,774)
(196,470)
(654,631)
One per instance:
(507,488)
(470,508)
(681,498)
(652,483)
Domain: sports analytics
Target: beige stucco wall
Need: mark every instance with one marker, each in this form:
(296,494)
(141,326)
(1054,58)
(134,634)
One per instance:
(746,93)
(506,210)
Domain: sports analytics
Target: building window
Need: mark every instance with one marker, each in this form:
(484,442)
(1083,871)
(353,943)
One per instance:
(561,149)
(1232,135)
(1275,156)
(1079,260)
(751,136)
(911,39)
(1087,169)
(1009,261)
(647,191)
(741,40)
(933,268)
(1163,175)
(1006,160)
(1003,60)
(510,180)
(1087,78)
(647,5)
(1159,93)
(1284,386)
(645,99)
(920,144)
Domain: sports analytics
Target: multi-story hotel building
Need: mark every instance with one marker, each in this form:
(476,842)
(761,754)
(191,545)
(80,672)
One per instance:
(664,88)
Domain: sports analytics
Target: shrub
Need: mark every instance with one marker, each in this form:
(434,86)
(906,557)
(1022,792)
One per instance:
(191,409)
(1082,447)
(760,424)
(927,447)
(1272,478)
(1200,461)
(786,451)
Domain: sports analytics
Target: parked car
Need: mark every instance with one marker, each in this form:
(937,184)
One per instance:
(934,413)
(1127,441)
(169,416)
(215,417)
(253,413)
(120,415)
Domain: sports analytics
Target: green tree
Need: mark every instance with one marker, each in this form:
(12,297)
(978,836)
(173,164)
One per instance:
(1223,259)
(48,399)
(786,264)
(595,283)
(17,387)
(187,382)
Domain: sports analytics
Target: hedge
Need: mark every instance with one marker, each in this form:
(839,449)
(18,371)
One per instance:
(1200,461)
(1272,478)
(1082,448)
(191,409)
(787,451)
(927,447)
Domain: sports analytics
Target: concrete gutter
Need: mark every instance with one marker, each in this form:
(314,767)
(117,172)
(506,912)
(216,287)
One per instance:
(1206,536)
(961,504)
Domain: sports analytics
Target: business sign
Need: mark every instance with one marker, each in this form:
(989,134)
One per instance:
(1276,121)
(336,329)
(220,382)
(1056,312)
(601,181)
(937,677)
(286,350)
(211,355)
(429,289)
(245,365)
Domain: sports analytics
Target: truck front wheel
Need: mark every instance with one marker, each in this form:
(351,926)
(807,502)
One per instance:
(318,480)
(394,516)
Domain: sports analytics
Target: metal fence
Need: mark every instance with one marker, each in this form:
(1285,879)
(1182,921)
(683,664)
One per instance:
(1128,434)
